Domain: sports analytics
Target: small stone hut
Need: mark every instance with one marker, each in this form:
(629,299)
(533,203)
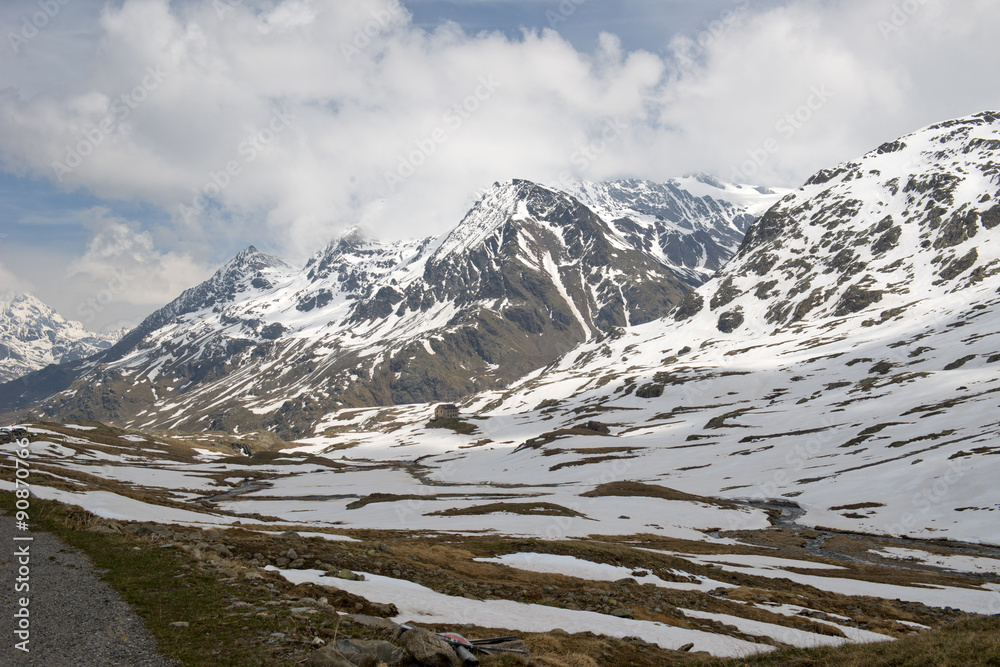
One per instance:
(446,411)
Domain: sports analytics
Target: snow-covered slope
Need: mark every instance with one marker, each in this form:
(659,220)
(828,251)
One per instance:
(847,361)
(526,275)
(32,336)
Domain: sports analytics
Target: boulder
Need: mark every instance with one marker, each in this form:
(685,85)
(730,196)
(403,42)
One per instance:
(428,649)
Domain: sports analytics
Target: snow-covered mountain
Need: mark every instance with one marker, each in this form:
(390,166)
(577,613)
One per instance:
(695,223)
(33,335)
(526,275)
(846,360)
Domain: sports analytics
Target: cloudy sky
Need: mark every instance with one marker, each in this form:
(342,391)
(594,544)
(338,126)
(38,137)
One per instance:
(144,142)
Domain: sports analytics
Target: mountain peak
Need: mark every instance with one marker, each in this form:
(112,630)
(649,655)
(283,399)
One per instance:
(352,236)
(34,335)
(251,259)
(499,204)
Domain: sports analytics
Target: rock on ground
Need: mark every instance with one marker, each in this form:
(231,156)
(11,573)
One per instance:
(428,649)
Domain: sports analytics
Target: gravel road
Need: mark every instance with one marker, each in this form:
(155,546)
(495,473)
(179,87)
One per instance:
(75,618)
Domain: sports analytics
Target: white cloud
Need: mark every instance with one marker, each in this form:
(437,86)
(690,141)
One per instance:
(123,270)
(10,283)
(182,99)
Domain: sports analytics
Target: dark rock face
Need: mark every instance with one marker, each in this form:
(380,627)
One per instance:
(691,306)
(651,390)
(856,299)
(730,322)
(959,266)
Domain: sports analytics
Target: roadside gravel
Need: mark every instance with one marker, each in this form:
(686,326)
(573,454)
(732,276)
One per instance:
(75,617)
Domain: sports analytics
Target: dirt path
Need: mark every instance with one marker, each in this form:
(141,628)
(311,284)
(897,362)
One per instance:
(74,617)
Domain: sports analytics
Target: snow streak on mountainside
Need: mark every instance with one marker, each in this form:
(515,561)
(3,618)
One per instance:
(527,274)
(846,360)
(32,336)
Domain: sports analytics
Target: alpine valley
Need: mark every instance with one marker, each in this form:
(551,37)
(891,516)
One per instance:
(529,273)
(693,416)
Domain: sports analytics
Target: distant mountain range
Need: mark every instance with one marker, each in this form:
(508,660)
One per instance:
(33,335)
(529,273)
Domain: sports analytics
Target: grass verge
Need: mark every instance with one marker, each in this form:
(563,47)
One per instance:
(166,585)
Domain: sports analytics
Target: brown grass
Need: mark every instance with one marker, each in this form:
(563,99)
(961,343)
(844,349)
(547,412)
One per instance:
(627,489)
(552,436)
(528,509)
(856,506)
(970,642)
